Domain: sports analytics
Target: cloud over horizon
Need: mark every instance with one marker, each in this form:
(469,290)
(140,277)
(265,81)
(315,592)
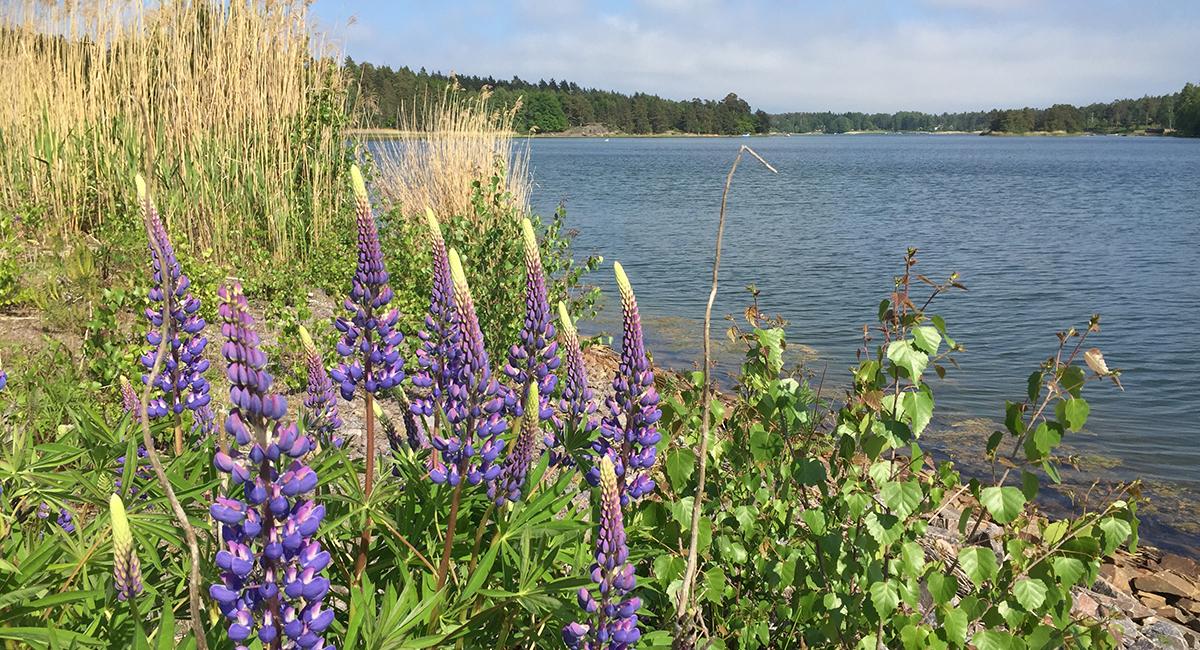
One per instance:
(876,56)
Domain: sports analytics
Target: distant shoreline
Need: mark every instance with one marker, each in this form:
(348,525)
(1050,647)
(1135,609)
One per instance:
(381,133)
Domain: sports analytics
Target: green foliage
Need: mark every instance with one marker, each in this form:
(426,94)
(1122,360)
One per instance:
(820,519)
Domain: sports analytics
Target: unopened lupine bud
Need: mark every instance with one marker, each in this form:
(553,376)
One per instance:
(511,484)
(370,341)
(127,572)
(613,620)
(175,314)
(628,433)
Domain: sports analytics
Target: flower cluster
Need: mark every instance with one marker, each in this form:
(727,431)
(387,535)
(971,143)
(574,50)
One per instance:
(535,358)
(370,339)
(613,622)
(511,482)
(271,583)
(438,357)
(127,572)
(3,379)
(181,382)
(473,400)
(65,522)
(628,433)
(320,403)
(577,407)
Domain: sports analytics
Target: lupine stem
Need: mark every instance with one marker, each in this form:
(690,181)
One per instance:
(364,542)
(448,545)
(180,514)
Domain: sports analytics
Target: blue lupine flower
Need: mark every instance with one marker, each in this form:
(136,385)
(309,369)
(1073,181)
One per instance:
(612,624)
(370,339)
(628,432)
(535,357)
(511,483)
(271,564)
(577,407)
(181,384)
(320,403)
(472,400)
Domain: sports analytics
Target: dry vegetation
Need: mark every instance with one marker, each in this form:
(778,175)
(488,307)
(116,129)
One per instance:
(223,104)
(447,143)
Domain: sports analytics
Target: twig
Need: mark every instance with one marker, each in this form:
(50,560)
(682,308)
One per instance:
(689,576)
(148,441)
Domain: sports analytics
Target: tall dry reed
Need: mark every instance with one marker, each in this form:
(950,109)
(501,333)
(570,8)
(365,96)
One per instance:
(235,109)
(445,143)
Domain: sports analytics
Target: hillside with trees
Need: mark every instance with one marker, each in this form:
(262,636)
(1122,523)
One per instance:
(382,93)
(552,106)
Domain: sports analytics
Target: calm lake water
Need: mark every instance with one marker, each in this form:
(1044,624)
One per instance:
(1044,232)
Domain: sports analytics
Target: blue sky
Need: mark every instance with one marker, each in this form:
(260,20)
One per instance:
(869,55)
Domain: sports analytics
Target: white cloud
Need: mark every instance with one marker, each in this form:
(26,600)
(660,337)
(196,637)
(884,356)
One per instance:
(817,59)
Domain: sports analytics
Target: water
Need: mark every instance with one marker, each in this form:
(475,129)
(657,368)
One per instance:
(1044,232)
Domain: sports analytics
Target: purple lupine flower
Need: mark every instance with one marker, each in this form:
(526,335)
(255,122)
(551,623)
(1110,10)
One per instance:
(472,401)
(628,433)
(3,379)
(181,383)
(535,357)
(43,511)
(321,417)
(370,339)
(438,357)
(612,624)
(127,572)
(511,483)
(578,408)
(271,564)
(65,522)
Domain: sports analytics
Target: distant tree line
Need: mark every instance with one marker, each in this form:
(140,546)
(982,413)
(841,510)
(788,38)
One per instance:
(382,93)
(1180,112)
(552,106)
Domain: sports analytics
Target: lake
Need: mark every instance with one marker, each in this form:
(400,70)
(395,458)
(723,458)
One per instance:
(1044,232)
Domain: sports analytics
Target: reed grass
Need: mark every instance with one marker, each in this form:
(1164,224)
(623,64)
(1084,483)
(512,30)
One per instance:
(447,142)
(234,110)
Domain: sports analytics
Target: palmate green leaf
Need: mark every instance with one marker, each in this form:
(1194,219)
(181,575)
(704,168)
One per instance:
(1030,593)
(978,563)
(1003,503)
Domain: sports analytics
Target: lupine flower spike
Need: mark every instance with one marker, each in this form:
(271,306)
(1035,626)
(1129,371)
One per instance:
(181,384)
(320,403)
(613,621)
(127,572)
(132,405)
(3,379)
(271,584)
(511,484)
(628,433)
(473,399)
(535,358)
(369,337)
(578,409)
(439,358)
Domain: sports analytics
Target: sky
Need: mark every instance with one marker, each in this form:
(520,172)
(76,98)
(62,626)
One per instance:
(856,55)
